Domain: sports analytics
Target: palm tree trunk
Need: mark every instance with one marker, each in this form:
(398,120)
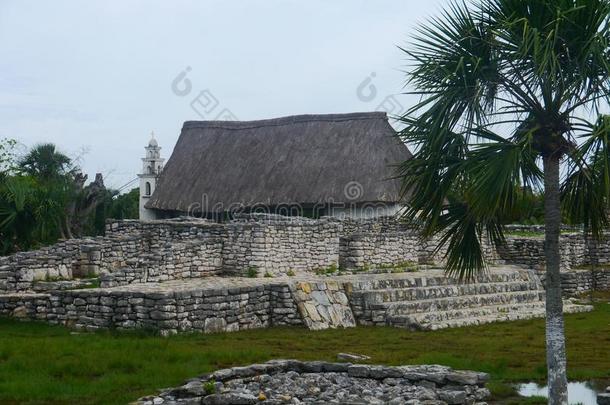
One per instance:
(555,338)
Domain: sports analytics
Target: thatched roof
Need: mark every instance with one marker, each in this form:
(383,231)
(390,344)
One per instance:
(302,159)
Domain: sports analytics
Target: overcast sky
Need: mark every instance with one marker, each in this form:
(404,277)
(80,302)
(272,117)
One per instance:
(96,79)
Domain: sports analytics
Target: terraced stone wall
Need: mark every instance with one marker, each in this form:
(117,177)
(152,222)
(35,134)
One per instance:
(134,251)
(575,251)
(277,245)
(378,242)
(179,260)
(387,242)
(167,311)
(265,243)
(25,306)
(576,282)
(67,260)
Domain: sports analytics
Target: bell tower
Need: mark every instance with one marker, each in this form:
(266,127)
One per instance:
(152,165)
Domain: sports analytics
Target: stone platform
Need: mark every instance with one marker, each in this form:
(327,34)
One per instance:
(420,300)
(434,301)
(296,382)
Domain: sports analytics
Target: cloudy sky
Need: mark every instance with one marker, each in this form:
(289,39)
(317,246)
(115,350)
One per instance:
(96,79)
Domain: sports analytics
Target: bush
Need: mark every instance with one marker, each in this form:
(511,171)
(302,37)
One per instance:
(252,272)
(327,270)
(209,387)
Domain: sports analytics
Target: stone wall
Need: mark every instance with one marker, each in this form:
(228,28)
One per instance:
(389,242)
(67,260)
(362,250)
(277,246)
(25,306)
(167,311)
(423,300)
(135,252)
(368,243)
(192,259)
(267,243)
(575,251)
(323,305)
(576,282)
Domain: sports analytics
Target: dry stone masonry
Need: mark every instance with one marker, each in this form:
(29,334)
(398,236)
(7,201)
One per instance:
(323,304)
(185,274)
(421,300)
(316,382)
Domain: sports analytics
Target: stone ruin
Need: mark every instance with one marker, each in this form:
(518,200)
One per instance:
(257,271)
(317,382)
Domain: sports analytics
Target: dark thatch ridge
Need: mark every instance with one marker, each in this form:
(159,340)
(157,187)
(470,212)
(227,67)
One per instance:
(302,159)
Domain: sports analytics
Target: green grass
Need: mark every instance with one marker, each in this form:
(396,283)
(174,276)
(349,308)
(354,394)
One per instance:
(533,234)
(400,267)
(332,269)
(48,364)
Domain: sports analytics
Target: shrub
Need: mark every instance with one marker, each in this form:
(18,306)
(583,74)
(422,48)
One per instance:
(327,270)
(209,387)
(252,272)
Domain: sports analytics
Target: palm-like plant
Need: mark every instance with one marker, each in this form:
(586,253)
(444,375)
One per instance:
(505,85)
(45,162)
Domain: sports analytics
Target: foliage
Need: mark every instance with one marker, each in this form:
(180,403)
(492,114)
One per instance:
(504,84)
(125,206)
(527,210)
(45,162)
(400,267)
(209,387)
(116,206)
(252,272)
(30,212)
(43,198)
(332,269)
(113,367)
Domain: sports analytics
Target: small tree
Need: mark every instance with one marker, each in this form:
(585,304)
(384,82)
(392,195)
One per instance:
(506,85)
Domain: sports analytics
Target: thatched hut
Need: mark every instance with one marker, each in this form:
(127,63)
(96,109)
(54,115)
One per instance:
(313,165)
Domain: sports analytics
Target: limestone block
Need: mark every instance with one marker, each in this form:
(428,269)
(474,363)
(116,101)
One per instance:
(214,325)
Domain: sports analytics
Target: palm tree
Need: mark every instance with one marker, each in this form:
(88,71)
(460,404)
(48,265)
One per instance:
(507,90)
(45,162)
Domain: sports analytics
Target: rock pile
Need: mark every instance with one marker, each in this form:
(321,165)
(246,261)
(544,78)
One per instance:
(296,382)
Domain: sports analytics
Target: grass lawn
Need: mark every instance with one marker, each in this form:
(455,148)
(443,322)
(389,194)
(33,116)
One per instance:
(48,364)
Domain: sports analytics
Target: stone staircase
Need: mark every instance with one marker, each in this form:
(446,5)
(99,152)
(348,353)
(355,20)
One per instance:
(433,301)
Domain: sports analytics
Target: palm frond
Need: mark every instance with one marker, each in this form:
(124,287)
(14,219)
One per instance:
(528,65)
(586,191)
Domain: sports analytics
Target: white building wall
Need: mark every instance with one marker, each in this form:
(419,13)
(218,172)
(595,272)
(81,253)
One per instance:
(368,211)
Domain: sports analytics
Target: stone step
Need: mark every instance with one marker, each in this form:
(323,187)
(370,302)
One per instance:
(423,293)
(459,302)
(476,316)
(440,280)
